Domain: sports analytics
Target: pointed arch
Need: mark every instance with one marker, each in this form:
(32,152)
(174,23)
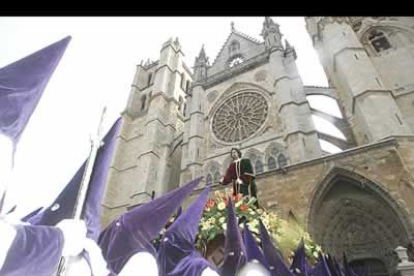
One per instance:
(258,166)
(349,213)
(209,179)
(253,154)
(271,163)
(354,178)
(211,167)
(275,156)
(281,160)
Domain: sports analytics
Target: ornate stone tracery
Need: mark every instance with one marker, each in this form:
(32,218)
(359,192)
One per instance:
(349,214)
(240,117)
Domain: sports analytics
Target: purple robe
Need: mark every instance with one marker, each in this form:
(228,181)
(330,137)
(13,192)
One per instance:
(35,251)
(191,265)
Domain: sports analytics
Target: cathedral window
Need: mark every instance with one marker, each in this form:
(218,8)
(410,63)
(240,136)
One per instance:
(182,81)
(180,104)
(209,179)
(271,163)
(236,61)
(234,47)
(258,166)
(143,100)
(240,117)
(149,79)
(275,158)
(281,160)
(184,109)
(379,41)
(187,86)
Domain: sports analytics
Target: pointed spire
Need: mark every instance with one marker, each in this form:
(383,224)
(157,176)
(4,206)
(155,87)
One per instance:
(200,66)
(134,230)
(271,34)
(253,252)
(178,241)
(202,54)
(276,263)
(234,252)
(233,29)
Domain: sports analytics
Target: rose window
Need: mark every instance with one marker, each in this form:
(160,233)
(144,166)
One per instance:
(240,117)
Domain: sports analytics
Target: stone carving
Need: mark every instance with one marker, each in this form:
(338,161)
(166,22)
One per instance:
(240,117)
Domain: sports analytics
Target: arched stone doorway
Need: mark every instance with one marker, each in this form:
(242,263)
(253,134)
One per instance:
(353,215)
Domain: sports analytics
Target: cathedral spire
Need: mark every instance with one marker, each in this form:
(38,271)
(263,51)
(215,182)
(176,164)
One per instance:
(271,34)
(200,66)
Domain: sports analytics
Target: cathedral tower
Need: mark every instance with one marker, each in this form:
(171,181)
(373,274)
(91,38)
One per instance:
(370,61)
(147,159)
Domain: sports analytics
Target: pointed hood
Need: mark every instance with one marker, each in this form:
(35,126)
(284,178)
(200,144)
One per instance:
(133,231)
(338,267)
(253,252)
(276,263)
(299,265)
(193,265)
(331,266)
(33,213)
(63,207)
(234,253)
(321,268)
(178,241)
(22,84)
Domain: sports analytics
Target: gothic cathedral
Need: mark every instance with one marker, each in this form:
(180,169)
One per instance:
(179,125)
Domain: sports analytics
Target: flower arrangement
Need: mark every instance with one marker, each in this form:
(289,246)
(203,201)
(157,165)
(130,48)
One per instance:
(214,222)
(286,235)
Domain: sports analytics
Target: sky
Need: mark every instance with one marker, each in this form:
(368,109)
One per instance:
(97,70)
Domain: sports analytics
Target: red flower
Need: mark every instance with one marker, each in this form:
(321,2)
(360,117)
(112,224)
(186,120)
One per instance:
(244,207)
(210,203)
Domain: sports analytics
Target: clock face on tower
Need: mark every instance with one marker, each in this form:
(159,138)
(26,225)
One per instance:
(239,117)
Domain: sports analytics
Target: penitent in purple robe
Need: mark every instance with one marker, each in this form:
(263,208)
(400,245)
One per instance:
(299,265)
(234,251)
(177,255)
(253,251)
(134,231)
(22,84)
(277,265)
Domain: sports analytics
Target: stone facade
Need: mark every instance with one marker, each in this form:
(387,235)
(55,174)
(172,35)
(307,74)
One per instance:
(180,125)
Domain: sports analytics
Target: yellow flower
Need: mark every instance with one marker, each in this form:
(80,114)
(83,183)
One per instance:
(222,220)
(221,206)
(213,221)
(224,226)
(259,211)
